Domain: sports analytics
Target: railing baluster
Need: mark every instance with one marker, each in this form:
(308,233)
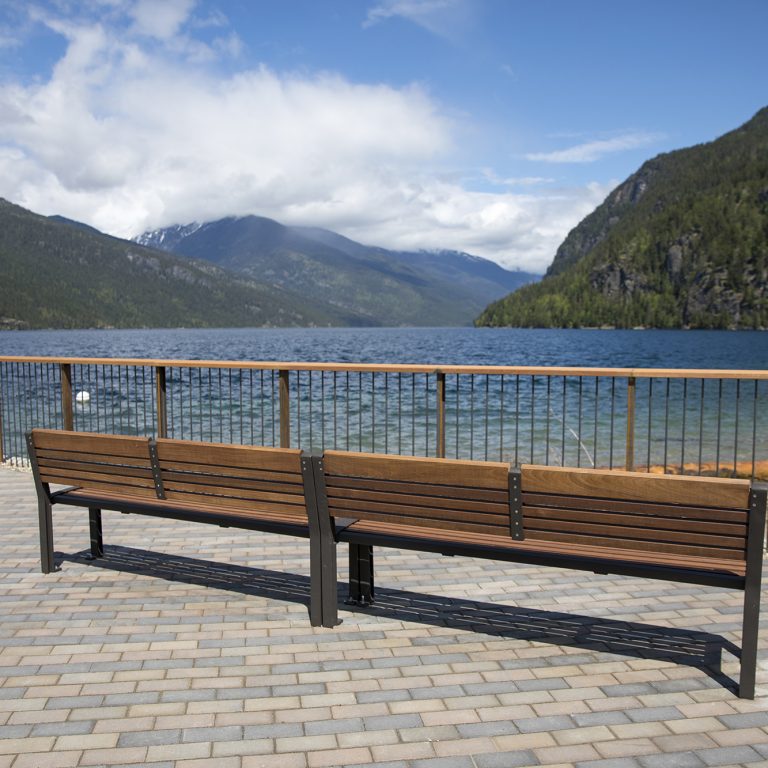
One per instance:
(285,409)
(66,395)
(630,448)
(162,391)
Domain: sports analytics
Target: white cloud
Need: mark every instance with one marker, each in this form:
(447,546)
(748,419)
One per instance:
(443,18)
(591,151)
(122,138)
(161,19)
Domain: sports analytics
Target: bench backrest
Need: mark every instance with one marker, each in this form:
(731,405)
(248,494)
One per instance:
(468,496)
(87,460)
(667,515)
(236,477)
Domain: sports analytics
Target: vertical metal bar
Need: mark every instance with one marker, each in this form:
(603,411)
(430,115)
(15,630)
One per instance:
(272,400)
(299,441)
(650,425)
(666,428)
(579,422)
(360,411)
(426,414)
(594,442)
(471,415)
(322,410)
(736,430)
(565,416)
(533,418)
(285,409)
(547,420)
(3,377)
(373,412)
(501,419)
(311,440)
(335,422)
(458,411)
(66,395)
(630,445)
(386,412)
(719,424)
(701,424)
(682,433)
(487,405)
(613,416)
(517,419)
(754,429)
(348,402)
(162,391)
(413,414)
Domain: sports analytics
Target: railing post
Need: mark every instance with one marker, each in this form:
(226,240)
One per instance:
(440,414)
(66,395)
(630,452)
(285,409)
(162,409)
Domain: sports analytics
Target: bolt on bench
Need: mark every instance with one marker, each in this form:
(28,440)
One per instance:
(261,489)
(698,530)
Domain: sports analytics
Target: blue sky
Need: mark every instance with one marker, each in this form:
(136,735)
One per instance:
(491,126)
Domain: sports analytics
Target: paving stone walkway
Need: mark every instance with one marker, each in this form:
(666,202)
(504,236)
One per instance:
(190,646)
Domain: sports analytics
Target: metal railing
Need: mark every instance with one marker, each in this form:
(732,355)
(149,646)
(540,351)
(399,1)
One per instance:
(694,421)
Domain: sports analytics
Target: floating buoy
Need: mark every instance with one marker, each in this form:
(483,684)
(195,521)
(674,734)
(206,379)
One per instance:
(83,397)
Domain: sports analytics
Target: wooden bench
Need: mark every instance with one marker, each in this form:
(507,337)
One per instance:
(262,489)
(707,531)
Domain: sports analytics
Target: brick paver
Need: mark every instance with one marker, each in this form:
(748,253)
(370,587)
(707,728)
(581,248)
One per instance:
(190,646)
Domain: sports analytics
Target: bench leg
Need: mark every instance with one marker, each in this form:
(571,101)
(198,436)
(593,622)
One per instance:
(329,584)
(97,543)
(316,586)
(749,642)
(45,520)
(361,582)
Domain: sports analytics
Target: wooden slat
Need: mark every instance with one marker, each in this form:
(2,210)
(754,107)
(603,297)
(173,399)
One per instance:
(420,500)
(609,533)
(412,469)
(116,500)
(393,486)
(637,486)
(245,505)
(204,469)
(708,563)
(91,443)
(677,512)
(96,486)
(656,522)
(232,483)
(88,466)
(87,479)
(204,491)
(645,546)
(242,456)
(416,515)
(457,527)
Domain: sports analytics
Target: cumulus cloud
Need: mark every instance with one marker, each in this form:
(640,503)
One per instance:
(591,151)
(128,138)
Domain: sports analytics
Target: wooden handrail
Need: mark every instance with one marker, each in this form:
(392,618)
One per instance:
(491,370)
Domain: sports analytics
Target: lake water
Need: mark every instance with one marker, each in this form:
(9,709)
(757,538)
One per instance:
(561,420)
(481,346)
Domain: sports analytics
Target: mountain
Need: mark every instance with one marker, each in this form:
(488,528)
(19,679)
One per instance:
(682,243)
(62,274)
(384,287)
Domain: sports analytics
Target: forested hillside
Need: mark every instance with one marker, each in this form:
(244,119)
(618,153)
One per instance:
(682,243)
